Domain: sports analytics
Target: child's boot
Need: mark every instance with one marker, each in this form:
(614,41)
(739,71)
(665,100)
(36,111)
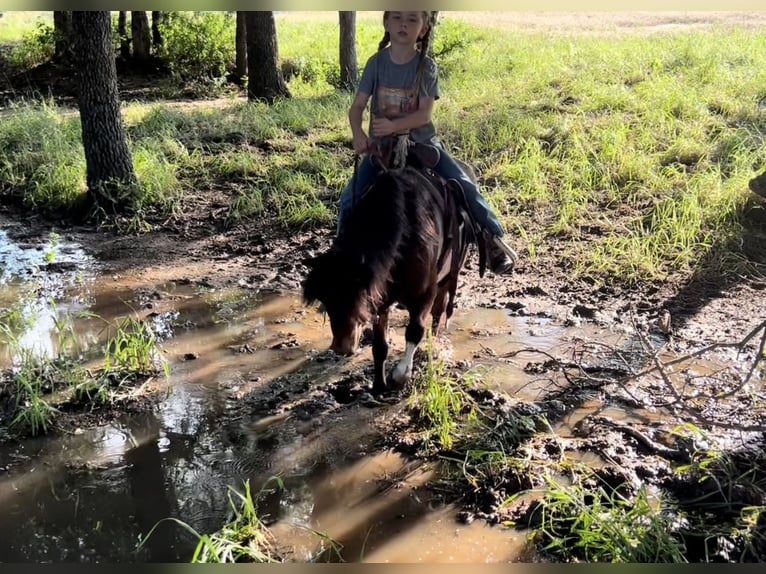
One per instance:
(501,257)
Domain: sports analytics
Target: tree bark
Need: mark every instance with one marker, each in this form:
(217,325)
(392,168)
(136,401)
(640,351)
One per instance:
(122,32)
(110,174)
(139,32)
(241,46)
(264,78)
(62,30)
(348,67)
(156,34)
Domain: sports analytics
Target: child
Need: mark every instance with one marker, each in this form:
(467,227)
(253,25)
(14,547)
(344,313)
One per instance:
(402,81)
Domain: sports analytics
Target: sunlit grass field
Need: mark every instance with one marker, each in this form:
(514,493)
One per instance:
(13,25)
(632,151)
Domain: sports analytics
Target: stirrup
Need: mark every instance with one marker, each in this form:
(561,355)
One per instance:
(505,248)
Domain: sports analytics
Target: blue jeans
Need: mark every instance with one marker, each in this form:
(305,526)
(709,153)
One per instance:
(447,167)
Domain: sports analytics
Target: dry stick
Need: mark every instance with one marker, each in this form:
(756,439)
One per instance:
(758,357)
(658,365)
(648,443)
(741,344)
(693,413)
(562,366)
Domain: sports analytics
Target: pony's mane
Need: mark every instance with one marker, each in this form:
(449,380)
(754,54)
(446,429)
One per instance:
(381,224)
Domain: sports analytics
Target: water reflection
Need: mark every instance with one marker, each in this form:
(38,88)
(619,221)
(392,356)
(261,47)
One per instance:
(38,284)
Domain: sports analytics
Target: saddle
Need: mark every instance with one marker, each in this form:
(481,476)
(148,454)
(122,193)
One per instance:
(393,153)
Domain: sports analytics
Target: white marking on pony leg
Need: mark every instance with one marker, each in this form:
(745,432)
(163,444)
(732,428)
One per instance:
(403,370)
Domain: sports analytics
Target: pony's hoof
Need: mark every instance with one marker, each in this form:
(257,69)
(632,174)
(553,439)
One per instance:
(378,389)
(401,378)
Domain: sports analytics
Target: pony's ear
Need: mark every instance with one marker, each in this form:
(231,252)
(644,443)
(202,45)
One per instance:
(313,283)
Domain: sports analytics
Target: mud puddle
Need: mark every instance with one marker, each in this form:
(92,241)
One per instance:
(90,495)
(36,282)
(252,394)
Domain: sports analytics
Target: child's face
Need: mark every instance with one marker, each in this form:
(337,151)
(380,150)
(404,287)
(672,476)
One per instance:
(405,27)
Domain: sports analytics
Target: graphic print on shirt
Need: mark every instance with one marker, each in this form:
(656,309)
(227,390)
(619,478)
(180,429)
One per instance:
(395,103)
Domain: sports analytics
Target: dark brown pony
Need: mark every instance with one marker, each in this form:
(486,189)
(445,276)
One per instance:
(405,243)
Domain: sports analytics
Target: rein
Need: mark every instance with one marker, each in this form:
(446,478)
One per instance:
(354,185)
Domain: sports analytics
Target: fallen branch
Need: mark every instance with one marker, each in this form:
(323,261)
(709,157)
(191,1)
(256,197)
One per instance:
(679,399)
(651,445)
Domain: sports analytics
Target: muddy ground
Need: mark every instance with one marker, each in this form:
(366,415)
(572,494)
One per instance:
(195,247)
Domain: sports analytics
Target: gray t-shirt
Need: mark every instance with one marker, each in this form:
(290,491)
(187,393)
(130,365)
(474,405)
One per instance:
(392,87)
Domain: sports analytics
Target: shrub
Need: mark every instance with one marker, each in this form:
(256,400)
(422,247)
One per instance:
(36,47)
(198,46)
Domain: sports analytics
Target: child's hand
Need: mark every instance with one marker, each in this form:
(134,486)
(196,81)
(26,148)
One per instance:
(382,127)
(361,144)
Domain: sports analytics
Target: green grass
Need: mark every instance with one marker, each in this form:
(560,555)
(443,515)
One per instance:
(663,128)
(37,384)
(14,25)
(707,510)
(631,152)
(440,402)
(43,163)
(601,525)
(243,539)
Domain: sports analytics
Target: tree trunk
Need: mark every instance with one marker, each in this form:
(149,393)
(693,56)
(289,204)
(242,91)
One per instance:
(122,32)
(156,34)
(62,31)
(139,32)
(348,68)
(264,80)
(109,167)
(241,45)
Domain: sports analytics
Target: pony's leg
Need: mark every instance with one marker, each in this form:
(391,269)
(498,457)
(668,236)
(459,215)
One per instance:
(450,309)
(440,302)
(416,328)
(450,296)
(452,288)
(380,351)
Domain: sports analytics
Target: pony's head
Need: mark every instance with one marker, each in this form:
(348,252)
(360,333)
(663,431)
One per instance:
(340,282)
